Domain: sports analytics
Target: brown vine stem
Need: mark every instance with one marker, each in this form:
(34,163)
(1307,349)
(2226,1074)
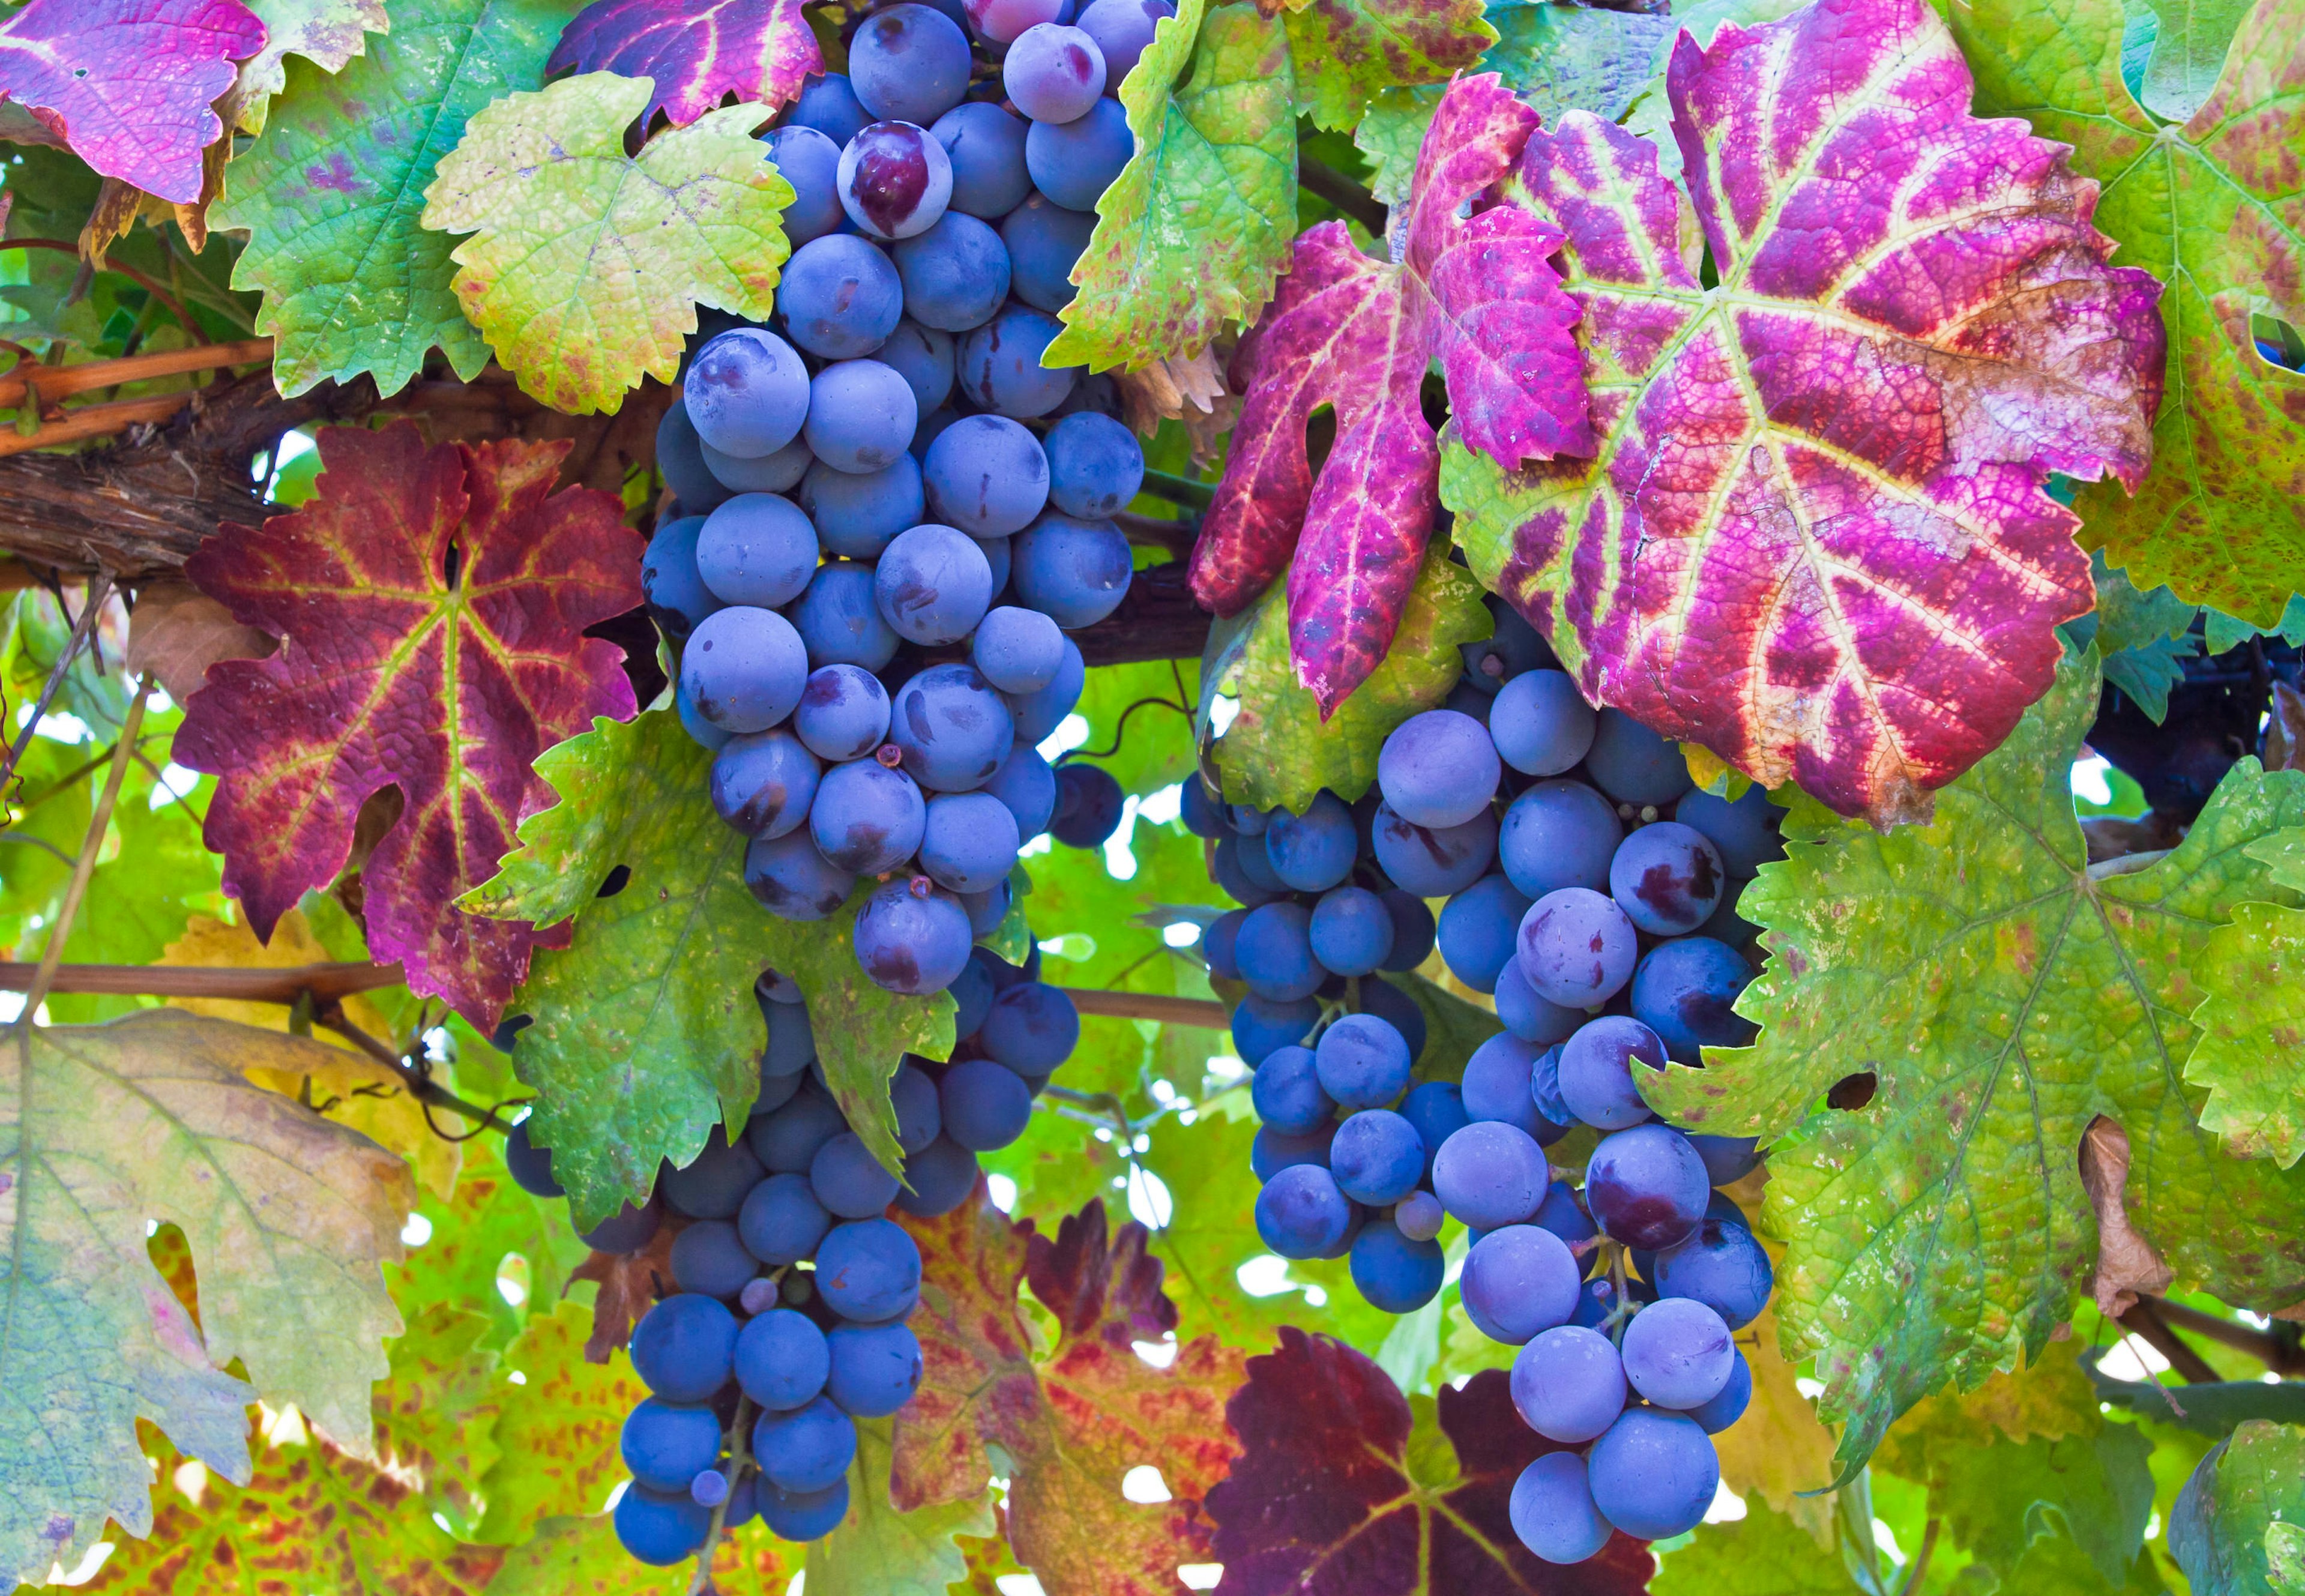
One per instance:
(1911,1583)
(2269,1350)
(52,956)
(99,594)
(2145,1322)
(1204,1011)
(739,1460)
(419,1084)
(284,985)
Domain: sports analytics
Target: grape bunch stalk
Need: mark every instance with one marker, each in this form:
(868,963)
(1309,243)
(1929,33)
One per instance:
(1592,893)
(791,1285)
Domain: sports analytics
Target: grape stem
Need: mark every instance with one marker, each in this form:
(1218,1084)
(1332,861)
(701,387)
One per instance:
(739,1460)
(99,592)
(1919,1567)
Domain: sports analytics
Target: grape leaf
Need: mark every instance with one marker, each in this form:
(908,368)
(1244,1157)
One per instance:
(1996,1496)
(1762,1554)
(328,33)
(2003,993)
(2250,1056)
(432,603)
(1281,748)
(2191,39)
(125,84)
(581,1555)
(586,265)
(106,1128)
(1070,1423)
(1778,1451)
(2143,639)
(647,1032)
(1337,1489)
(436,1414)
(330,197)
(2213,209)
(1475,293)
(695,55)
(1347,52)
(1196,229)
(490,1230)
(879,1552)
(2234,1529)
(1816,539)
(556,1433)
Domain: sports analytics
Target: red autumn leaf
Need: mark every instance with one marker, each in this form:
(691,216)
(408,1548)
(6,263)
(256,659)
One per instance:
(1817,537)
(126,84)
(1344,329)
(697,54)
(1073,1422)
(1326,1500)
(433,602)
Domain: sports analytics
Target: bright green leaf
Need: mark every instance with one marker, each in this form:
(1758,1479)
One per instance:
(2143,639)
(2004,994)
(2251,1052)
(1277,751)
(879,1552)
(586,265)
(1348,52)
(556,1433)
(1761,1553)
(2190,40)
(329,33)
(2235,1527)
(331,195)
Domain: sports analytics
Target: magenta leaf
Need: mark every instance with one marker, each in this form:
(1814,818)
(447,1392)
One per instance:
(1344,329)
(126,84)
(1816,538)
(1327,1500)
(697,54)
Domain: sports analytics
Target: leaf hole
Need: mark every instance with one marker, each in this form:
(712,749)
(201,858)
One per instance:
(617,880)
(1320,436)
(2278,343)
(1852,1092)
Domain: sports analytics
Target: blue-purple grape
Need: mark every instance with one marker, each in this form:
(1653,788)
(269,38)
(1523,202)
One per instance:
(1302,1212)
(909,63)
(1095,464)
(1438,769)
(1633,764)
(970,843)
(781,1221)
(1529,1016)
(1122,29)
(1540,724)
(1722,1266)
(1654,1474)
(809,1448)
(1018,650)
(952,728)
(986,146)
(1314,851)
(1413,928)
(923,356)
(665,1446)
(1569,1384)
(1260,1025)
(680,456)
(1053,74)
(1686,991)
(744,668)
(1496,1085)
(779,472)
(1039,713)
(792,879)
(1577,947)
(763,782)
(941,1177)
(1363,1060)
(1645,1187)
(1744,830)
(1595,1071)
(1676,1353)
(757,549)
(1667,878)
(1044,241)
(843,713)
(1032,1028)
(1394,1273)
(1351,931)
(848,1180)
(810,161)
(828,103)
(676,594)
(869,1271)
(986,1105)
(839,618)
(861,415)
(867,819)
(895,180)
(682,1347)
(1477,930)
(1551,1510)
(746,393)
(1286,1092)
(933,585)
(999,365)
(987,475)
(782,1359)
(1272,1150)
(1074,162)
(1729,1406)
(1377,1157)
(1001,21)
(1519,1282)
(1437,1109)
(956,274)
(1274,952)
(660,1527)
(1026,784)
(1559,834)
(1429,863)
(876,1369)
(839,296)
(911,937)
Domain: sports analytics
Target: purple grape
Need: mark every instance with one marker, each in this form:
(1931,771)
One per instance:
(1714,1417)
(771,473)
(895,180)
(1561,1214)
(531,1166)
(848,1180)
(762,783)
(1437,1109)
(680,456)
(1419,1215)
(658,1527)
(1018,650)
(1654,1474)
(1528,1017)
(1413,930)
(867,819)
(1745,830)
(1686,991)
(909,63)
(1001,21)
(756,549)
(1727,1158)
(970,843)
(1089,804)
(1122,29)
(1666,877)
(875,1369)
(802,1515)
(1044,241)
(676,594)
(933,585)
(843,714)
(1381,1000)
(1541,725)
(811,163)
(986,910)
(941,1177)
(746,393)
(1676,1353)
(1519,1282)
(1645,1187)
(839,297)
(1096,465)
(839,619)
(666,1446)
(1559,834)
(1052,72)
(987,475)
(1074,162)
(956,274)
(1477,929)
(1286,1092)
(1489,1174)
(744,668)
(1496,1084)
(807,1449)
(1394,1273)
(1026,784)
(1039,713)
(1217,944)
(953,730)
(986,146)
(1723,1267)
(1274,952)
(1032,1028)
(1363,1060)
(986,1105)
(1577,947)
(1569,1384)
(911,937)
(1314,851)
(1429,863)
(781,1221)
(682,1347)
(1551,1510)
(1595,1071)
(1260,1026)
(1377,1157)
(1301,1212)
(792,879)
(861,415)
(1633,764)
(1351,932)
(923,356)
(1727,926)
(999,365)
(828,103)
(1438,769)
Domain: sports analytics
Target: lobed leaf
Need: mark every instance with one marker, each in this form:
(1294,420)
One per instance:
(125,84)
(432,604)
(2235,1529)
(1347,52)
(1816,538)
(1475,293)
(1337,1489)
(331,196)
(879,1552)
(2004,995)
(695,55)
(1069,1423)
(2215,210)
(647,1032)
(1196,229)
(105,1130)
(1764,1553)
(329,33)
(556,1433)
(586,265)
(2250,1056)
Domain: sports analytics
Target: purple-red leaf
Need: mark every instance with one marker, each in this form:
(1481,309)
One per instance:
(697,54)
(1473,293)
(432,603)
(1328,1497)
(126,84)
(1817,538)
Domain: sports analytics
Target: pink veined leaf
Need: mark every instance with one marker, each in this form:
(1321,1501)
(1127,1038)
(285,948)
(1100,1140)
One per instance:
(126,85)
(1475,293)
(1816,538)
(697,54)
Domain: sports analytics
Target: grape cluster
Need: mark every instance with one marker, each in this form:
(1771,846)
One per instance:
(888,515)
(791,1285)
(1593,894)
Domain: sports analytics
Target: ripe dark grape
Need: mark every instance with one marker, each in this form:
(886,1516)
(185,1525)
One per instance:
(804,1515)
(1394,1273)
(843,713)
(1551,1510)
(1559,834)
(1075,572)
(1260,1025)
(1419,1215)
(987,475)
(1489,1174)
(869,1271)
(756,549)
(1561,1214)
(1044,241)
(828,103)
(782,1360)
(1274,951)
(807,1449)
(1646,1186)
(1477,930)
(1271,1150)
(895,180)
(1364,1061)
(1089,803)
(861,415)
(1666,877)
(1122,29)
(1686,991)
(986,147)
(1577,947)
(1714,1417)
(1095,466)
(1654,1474)
(956,273)
(1351,930)
(811,163)
(676,594)
(1438,769)
(1037,714)
(911,936)
(1727,1158)
(770,473)
(1413,928)
(1032,1028)
(1633,764)
(1026,784)
(1377,1157)
(660,1527)
(1497,1086)
(1595,1071)
(680,456)
(941,1177)
(909,63)
(1286,1092)
(1723,1267)
(665,1446)
(744,668)
(530,1165)
(970,843)
(839,618)
(629,1229)
(867,817)
(986,1105)
(1520,1282)
(1074,162)
(839,297)
(712,1185)
(1053,74)
(1676,1353)
(876,1368)
(1301,1212)
(848,1180)
(1437,1109)
(1541,725)
(792,879)
(781,1221)
(999,363)
(682,1346)
(1001,21)
(1745,831)
(1528,1015)
(953,730)
(787,1141)
(1432,863)
(923,356)
(1016,649)
(1314,851)
(1569,1384)
(746,393)
(933,585)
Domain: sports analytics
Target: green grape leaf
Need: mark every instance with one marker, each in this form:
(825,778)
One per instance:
(1152,750)
(1348,52)
(104,1129)
(488,1228)
(586,265)
(579,1555)
(1278,751)
(1198,226)
(2213,208)
(2251,1052)
(2233,1530)
(2143,639)
(1761,1553)
(436,1414)
(556,1433)
(331,195)
(879,1552)
(1996,1499)
(329,33)
(2189,41)
(647,1032)
(2004,994)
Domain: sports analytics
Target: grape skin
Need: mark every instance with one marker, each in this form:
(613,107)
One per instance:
(1569,1384)
(1301,1213)
(1551,1510)
(1676,1353)
(1074,162)
(1654,1474)
(895,180)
